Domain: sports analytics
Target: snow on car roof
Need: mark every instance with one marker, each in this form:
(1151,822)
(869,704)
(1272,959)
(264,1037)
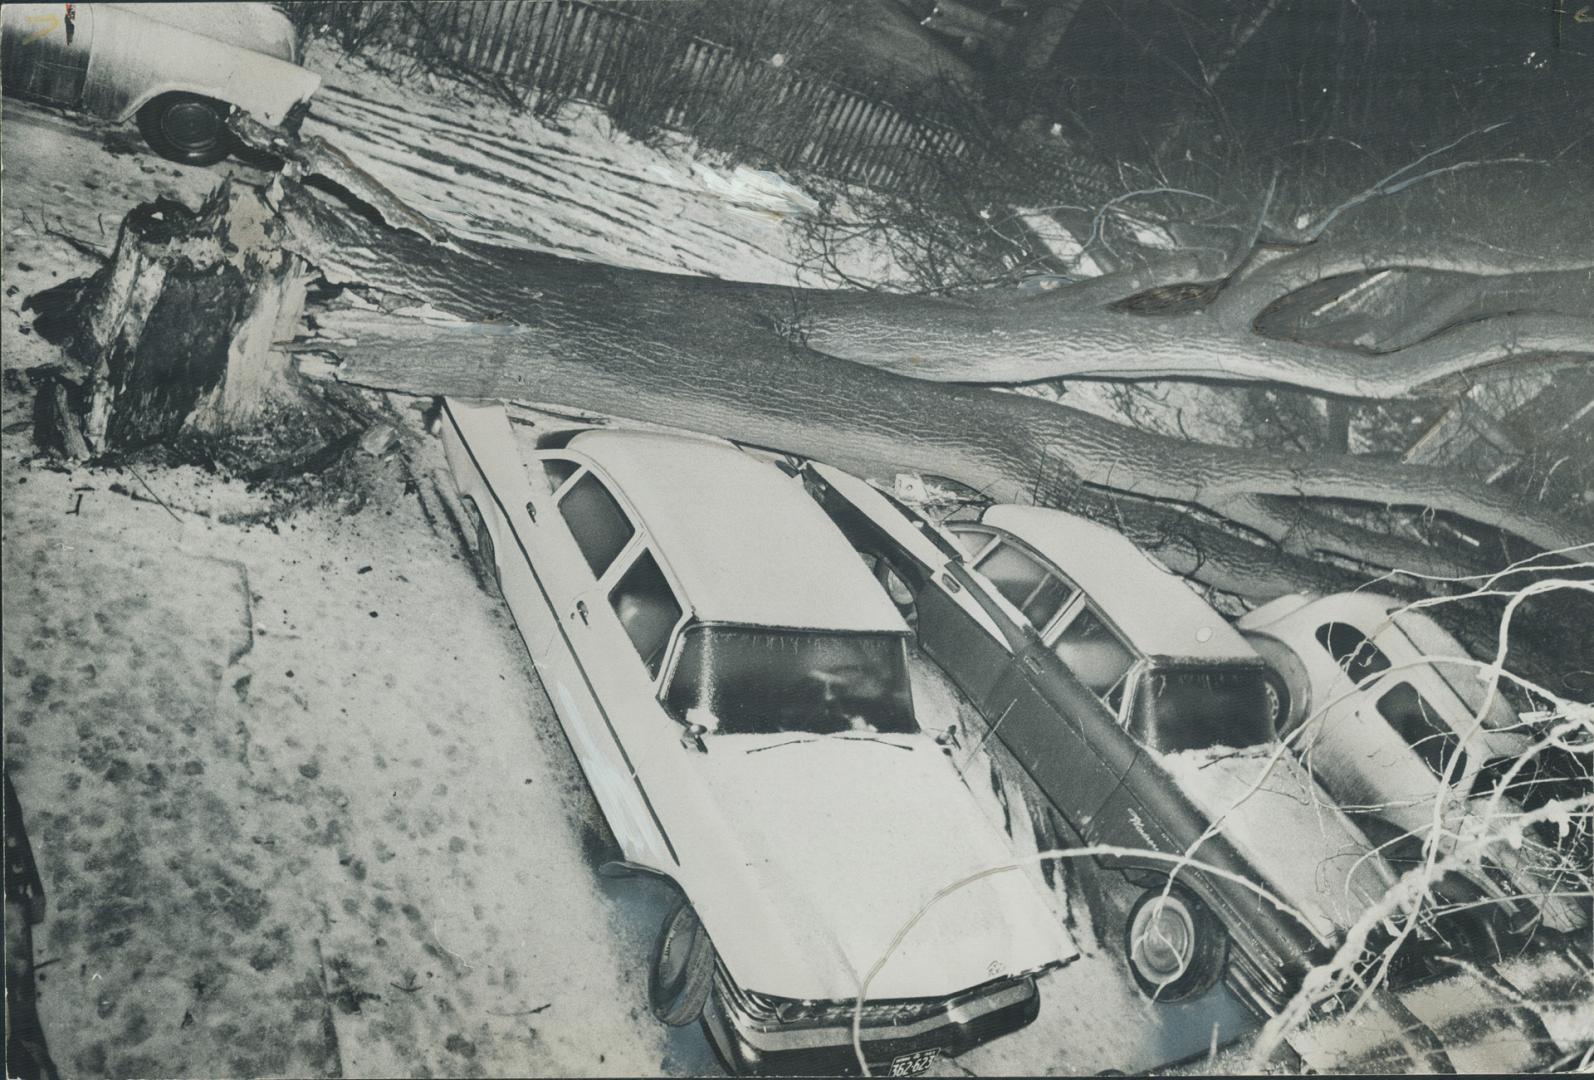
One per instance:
(1367,609)
(746,544)
(1160,614)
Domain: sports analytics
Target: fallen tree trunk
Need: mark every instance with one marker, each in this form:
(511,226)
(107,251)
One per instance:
(397,311)
(525,325)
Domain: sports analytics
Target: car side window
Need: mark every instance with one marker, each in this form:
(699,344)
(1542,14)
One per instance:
(971,540)
(1410,714)
(599,526)
(647,609)
(1357,657)
(557,470)
(1095,655)
(1024,583)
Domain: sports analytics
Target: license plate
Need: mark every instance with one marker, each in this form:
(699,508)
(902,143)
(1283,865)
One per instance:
(915,1063)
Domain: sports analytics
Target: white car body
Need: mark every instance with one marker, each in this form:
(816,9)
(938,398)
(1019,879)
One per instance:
(802,863)
(111,59)
(1337,726)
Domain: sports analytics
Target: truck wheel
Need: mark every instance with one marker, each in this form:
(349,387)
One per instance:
(683,968)
(186,128)
(1175,946)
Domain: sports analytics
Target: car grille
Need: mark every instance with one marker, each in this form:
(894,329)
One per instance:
(786,1012)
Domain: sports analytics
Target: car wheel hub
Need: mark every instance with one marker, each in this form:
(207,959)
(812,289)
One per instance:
(191,125)
(1163,939)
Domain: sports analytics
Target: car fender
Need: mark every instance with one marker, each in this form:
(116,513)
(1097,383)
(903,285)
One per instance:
(137,59)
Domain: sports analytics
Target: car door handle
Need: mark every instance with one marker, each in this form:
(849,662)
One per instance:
(531,512)
(1033,664)
(581,609)
(951,583)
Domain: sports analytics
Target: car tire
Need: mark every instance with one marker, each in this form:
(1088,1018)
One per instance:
(1176,947)
(898,589)
(1278,702)
(187,128)
(683,968)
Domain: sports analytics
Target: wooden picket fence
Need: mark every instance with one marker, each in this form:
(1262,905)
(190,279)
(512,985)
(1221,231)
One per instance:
(572,49)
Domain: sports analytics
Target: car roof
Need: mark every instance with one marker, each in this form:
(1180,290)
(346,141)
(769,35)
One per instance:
(261,27)
(1367,610)
(1159,613)
(745,543)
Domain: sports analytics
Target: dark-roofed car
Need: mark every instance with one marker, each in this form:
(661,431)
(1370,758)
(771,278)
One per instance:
(734,685)
(179,69)
(1144,719)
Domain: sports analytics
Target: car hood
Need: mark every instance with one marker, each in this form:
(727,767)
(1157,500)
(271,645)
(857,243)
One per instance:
(835,844)
(1309,854)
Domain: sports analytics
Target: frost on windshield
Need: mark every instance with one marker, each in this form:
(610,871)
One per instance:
(745,681)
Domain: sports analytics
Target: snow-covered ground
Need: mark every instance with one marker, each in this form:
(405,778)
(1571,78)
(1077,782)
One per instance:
(299,802)
(577,188)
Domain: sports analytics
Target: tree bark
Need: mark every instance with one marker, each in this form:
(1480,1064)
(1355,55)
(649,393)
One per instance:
(685,351)
(178,327)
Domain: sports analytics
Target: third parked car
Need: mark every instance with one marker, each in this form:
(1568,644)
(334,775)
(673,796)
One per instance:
(1389,712)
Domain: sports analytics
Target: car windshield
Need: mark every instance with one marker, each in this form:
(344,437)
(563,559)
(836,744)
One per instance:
(1193,708)
(741,680)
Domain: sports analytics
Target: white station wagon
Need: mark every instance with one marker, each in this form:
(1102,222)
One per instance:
(735,687)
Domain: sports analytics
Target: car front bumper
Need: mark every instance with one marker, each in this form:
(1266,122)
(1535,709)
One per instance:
(750,1042)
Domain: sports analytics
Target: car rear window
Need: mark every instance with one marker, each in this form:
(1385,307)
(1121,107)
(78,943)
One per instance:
(744,680)
(1357,657)
(1430,639)
(647,609)
(557,470)
(599,526)
(972,540)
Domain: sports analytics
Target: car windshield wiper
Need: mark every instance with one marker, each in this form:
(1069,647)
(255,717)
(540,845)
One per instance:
(866,737)
(788,742)
(849,736)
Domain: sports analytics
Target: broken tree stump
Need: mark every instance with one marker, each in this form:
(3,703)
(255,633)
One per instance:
(177,331)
